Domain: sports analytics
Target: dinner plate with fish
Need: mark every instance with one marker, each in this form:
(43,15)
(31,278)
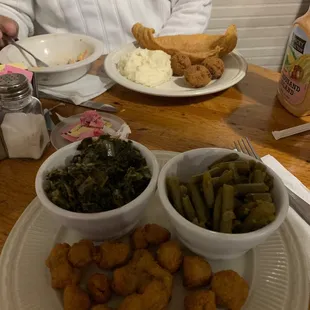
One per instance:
(179,65)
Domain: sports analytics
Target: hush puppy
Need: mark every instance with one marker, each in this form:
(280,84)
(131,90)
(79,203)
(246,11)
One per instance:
(58,255)
(75,298)
(179,63)
(149,234)
(99,288)
(169,256)
(230,288)
(111,254)
(215,65)
(197,76)
(80,254)
(196,272)
(200,300)
(101,307)
(64,275)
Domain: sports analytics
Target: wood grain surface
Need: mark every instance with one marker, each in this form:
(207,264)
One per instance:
(248,109)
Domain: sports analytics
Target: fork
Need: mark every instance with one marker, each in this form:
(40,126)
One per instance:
(296,202)
(39,62)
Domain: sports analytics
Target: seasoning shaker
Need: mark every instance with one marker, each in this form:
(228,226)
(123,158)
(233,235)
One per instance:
(23,130)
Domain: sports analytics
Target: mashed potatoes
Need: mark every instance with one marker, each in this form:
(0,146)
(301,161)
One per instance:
(149,68)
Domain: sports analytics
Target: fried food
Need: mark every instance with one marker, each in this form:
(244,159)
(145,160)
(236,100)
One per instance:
(111,254)
(132,302)
(155,297)
(169,256)
(75,298)
(196,272)
(200,300)
(137,275)
(230,288)
(101,307)
(64,275)
(179,63)
(58,255)
(99,288)
(197,46)
(197,76)
(215,65)
(81,254)
(149,234)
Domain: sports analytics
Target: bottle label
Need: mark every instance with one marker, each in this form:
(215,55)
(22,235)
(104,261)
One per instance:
(295,75)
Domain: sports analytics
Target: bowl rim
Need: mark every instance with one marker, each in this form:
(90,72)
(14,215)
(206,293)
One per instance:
(97,44)
(203,232)
(94,216)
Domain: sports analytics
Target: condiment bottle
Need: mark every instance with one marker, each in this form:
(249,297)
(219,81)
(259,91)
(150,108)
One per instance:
(22,124)
(294,89)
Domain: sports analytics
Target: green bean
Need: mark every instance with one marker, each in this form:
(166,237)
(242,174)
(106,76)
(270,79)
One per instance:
(243,167)
(227,209)
(236,175)
(244,210)
(216,172)
(229,157)
(173,185)
(198,203)
(259,196)
(258,176)
(196,178)
(260,166)
(252,164)
(188,208)
(225,178)
(259,217)
(183,190)
(217,210)
(243,189)
(208,190)
(196,222)
(269,181)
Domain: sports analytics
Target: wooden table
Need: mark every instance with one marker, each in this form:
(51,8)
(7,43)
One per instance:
(249,109)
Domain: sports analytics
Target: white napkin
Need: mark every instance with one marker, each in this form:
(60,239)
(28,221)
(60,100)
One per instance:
(302,229)
(84,89)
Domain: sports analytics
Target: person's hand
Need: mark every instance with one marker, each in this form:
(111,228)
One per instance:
(9,27)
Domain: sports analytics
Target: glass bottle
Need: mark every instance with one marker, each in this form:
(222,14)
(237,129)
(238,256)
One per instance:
(22,124)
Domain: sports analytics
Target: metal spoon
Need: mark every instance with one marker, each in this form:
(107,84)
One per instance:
(39,62)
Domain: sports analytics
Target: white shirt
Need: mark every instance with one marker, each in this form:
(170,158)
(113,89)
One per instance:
(108,20)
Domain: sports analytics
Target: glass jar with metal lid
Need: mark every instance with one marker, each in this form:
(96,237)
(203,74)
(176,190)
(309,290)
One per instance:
(23,130)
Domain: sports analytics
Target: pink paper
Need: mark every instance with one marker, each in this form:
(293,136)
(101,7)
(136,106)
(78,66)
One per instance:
(10,69)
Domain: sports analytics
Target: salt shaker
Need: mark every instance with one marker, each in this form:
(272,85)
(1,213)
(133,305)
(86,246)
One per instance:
(23,130)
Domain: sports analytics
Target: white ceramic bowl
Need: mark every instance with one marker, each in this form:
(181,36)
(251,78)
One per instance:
(56,50)
(102,225)
(210,244)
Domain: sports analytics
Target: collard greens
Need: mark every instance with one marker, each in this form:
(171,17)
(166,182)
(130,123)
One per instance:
(106,174)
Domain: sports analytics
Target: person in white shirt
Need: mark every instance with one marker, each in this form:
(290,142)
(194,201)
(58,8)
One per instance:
(107,20)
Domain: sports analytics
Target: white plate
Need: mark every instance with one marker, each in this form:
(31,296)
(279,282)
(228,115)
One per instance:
(58,141)
(276,270)
(235,71)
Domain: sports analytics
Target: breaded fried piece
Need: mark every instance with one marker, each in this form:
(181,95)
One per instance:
(215,65)
(101,307)
(197,76)
(132,302)
(112,254)
(200,300)
(81,254)
(149,234)
(196,272)
(230,288)
(169,256)
(99,288)
(64,275)
(179,63)
(75,298)
(155,296)
(140,271)
(58,255)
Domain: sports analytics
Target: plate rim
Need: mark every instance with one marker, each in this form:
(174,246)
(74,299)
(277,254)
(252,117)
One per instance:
(33,210)
(119,79)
